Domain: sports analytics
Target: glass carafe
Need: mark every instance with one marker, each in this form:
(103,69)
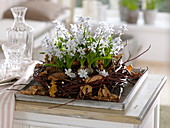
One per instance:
(20,32)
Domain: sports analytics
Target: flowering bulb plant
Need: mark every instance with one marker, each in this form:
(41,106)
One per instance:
(82,64)
(79,44)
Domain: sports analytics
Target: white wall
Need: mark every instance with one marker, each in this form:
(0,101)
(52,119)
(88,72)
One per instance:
(157,35)
(158,38)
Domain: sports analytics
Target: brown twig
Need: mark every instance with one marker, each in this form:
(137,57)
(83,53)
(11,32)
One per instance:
(138,55)
(14,89)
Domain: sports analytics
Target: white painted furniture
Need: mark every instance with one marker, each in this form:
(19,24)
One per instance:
(143,112)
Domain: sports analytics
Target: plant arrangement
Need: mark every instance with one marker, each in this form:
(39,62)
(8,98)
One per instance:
(82,65)
(123,3)
(129,10)
(152,4)
(150,11)
(132,5)
(123,9)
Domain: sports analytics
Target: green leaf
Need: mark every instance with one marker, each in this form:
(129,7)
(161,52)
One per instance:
(132,5)
(103,58)
(53,65)
(59,63)
(42,53)
(70,60)
(94,60)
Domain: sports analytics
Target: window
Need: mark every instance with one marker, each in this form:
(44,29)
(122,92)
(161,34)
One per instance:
(79,3)
(164,5)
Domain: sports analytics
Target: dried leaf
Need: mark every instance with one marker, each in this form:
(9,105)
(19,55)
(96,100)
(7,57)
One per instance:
(34,90)
(47,59)
(51,69)
(104,98)
(119,56)
(57,76)
(76,63)
(40,91)
(105,95)
(30,91)
(52,60)
(100,65)
(103,92)
(53,89)
(113,98)
(38,65)
(93,78)
(136,75)
(43,73)
(129,68)
(85,90)
(100,94)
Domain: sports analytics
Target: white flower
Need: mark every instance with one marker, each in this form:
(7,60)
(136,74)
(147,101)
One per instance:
(104,73)
(70,73)
(124,27)
(117,45)
(83,73)
(102,51)
(81,51)
(85,22)
(61,31)
(111,28)
(117,40)
(48,46)
(71,46)
(46,41)
(58,53)
(104,31)
(74,28)
(104,43)
(93,46)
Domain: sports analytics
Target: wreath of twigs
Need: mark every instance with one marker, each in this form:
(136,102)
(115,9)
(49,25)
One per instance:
(107,88)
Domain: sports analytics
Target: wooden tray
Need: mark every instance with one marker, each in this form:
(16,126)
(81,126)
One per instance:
(127,96)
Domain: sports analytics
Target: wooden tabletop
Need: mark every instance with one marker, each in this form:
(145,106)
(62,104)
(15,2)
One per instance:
(135,113)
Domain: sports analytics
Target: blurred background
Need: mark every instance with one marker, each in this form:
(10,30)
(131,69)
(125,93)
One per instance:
(148,23)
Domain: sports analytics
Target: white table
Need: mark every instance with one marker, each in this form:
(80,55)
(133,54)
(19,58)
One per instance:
(143,112)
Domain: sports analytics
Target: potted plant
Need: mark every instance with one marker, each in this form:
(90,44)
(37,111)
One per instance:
(80,64)
(150,11)
(123,9)
(133,11)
